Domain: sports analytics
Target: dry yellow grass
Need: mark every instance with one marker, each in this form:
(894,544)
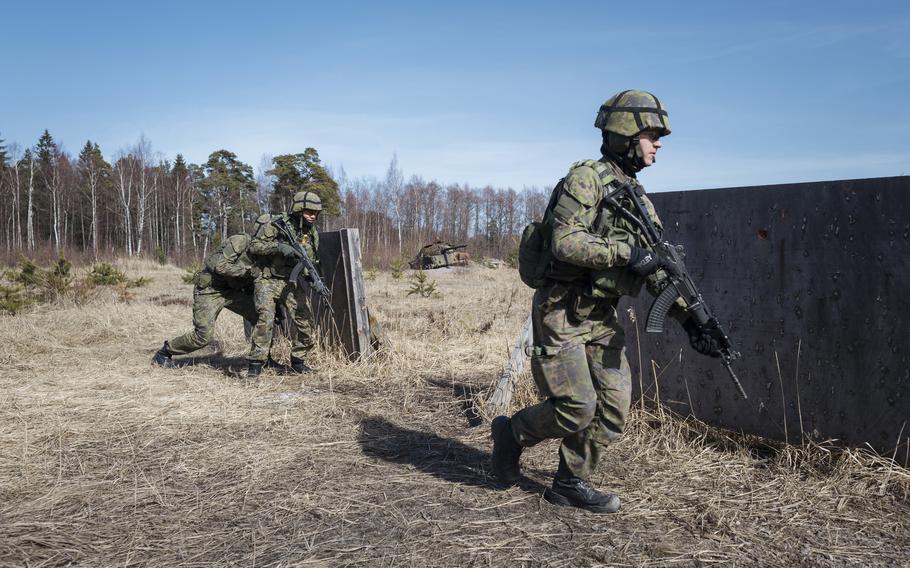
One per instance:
(105,459)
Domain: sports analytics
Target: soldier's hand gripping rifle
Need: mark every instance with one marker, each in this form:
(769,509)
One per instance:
(679,283)
(316,281)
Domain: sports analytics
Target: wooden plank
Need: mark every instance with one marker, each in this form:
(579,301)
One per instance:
(359,319)
(505,385)
(346,325)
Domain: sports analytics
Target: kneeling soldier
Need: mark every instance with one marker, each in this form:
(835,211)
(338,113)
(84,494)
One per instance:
(226,281)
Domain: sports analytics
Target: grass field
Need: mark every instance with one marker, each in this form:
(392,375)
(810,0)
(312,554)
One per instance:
(106,460)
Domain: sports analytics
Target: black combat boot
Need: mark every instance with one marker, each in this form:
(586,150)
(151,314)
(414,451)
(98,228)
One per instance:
(163,356)
(571,491)
(506,451)
(300,367)
(253,370)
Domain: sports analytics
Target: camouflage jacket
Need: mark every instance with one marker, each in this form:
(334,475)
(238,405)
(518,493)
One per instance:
(264,246)
(591,242)
(229,266)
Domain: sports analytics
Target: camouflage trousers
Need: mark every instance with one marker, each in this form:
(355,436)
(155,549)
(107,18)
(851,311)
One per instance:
(267,294)
(579,364)
(208,302)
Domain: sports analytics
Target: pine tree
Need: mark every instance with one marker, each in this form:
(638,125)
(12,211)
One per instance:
(4,157)
(44,149)
(303,172)
(50,182)
(231,190)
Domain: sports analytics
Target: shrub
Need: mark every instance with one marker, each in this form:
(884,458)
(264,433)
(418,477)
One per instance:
(42,284)
(106,274)
(397,267)
(14,299)
(160,255)
(29,275)
(422,286)
(59,278)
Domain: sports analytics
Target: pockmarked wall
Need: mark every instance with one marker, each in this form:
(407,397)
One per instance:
(812,281)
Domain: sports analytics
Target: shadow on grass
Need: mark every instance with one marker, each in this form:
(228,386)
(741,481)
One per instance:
(232,367)
(441,457)
(466,394)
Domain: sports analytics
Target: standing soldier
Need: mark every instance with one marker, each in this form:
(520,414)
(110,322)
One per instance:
(276,258)
(226,281)
(593,257)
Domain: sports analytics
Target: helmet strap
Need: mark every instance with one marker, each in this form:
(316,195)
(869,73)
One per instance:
(636,158)
(625,159)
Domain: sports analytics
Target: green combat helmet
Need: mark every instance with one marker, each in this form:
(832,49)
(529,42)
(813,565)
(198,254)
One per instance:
(630,112)
(622,118)
(306,201)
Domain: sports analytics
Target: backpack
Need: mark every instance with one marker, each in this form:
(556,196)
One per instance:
(534,253)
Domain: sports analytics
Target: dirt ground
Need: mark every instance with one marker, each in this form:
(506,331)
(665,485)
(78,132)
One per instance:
(107,460)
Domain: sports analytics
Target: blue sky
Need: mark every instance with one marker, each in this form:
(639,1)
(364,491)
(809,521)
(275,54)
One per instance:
(470,92)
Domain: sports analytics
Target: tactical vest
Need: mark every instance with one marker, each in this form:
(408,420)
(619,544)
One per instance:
(280,266)
(611,224)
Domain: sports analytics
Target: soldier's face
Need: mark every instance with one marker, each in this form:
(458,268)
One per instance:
(649,143)
(310,216)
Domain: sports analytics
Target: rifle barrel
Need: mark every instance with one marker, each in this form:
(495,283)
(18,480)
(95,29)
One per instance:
(733,376)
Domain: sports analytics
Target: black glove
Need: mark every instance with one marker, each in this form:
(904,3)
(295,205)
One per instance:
(643,262)
(287,250)
(700,341)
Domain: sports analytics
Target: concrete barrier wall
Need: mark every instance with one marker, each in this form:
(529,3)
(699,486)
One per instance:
(812,281)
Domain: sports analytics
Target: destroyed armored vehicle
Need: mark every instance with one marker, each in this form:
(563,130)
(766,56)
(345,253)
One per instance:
(439,254)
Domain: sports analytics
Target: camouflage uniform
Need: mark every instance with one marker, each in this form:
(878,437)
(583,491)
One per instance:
(579,361)
(272,287)
(226,281)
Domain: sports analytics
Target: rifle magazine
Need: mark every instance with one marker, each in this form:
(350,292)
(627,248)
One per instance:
(657,315)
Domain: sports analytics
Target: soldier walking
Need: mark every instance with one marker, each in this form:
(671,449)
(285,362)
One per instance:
(226,281)
(276,258)
(579,362)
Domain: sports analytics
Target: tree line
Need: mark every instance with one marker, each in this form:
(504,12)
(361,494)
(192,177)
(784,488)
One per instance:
(136,202)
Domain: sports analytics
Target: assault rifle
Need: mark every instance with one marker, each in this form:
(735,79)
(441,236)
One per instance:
(316,281)
(679,283)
